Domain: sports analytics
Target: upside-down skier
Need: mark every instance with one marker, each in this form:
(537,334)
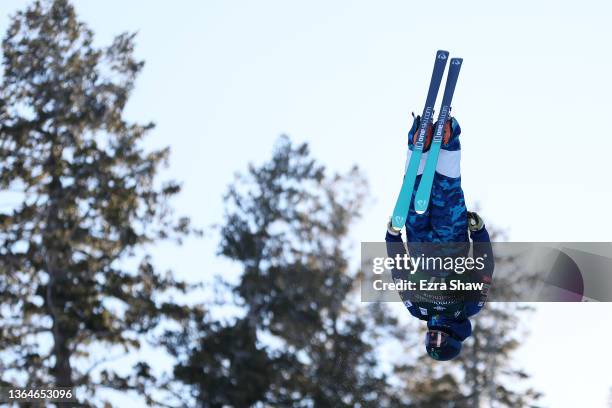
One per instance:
(446,222)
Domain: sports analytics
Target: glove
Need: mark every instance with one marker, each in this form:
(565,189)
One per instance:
(392,230)
(475,223)
(413,135)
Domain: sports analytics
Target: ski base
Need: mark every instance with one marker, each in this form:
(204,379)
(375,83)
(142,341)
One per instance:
(422,197)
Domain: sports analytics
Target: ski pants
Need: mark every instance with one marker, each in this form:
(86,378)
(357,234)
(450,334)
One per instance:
(445,220)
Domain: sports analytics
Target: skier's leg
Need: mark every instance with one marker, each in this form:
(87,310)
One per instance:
(447,206)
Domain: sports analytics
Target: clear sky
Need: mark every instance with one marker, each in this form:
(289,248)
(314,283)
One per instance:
(223,79)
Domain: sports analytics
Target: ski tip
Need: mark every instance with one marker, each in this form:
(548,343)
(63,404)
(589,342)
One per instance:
(397,222)
(442,54)
(420,204)
(456,61)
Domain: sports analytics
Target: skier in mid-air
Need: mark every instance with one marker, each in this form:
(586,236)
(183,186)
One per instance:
(446,220)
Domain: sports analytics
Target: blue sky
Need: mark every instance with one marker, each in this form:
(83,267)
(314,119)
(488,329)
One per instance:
(223,79)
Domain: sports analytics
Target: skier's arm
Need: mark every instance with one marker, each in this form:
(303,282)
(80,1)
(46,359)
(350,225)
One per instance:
(482,250)
(481,244)
(395,246)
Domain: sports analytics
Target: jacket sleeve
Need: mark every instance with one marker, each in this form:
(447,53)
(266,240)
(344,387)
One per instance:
(483,249)
(395,246)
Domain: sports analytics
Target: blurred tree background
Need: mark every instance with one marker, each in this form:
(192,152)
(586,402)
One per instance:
(301,322)
(90,201)
(77,285)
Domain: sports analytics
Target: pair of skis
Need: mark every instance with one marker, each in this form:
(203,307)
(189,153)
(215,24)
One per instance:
(421,199)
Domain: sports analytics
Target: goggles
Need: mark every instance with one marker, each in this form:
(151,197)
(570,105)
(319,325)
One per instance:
(437,338)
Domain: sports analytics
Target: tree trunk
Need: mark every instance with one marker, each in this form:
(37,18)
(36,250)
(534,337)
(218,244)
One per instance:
(62,369)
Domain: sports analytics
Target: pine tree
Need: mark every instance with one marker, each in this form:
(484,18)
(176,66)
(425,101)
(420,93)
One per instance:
(76,282)
(302,338)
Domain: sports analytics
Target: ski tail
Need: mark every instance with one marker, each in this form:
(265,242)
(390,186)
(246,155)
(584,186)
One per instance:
(421,199)
(402,205)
